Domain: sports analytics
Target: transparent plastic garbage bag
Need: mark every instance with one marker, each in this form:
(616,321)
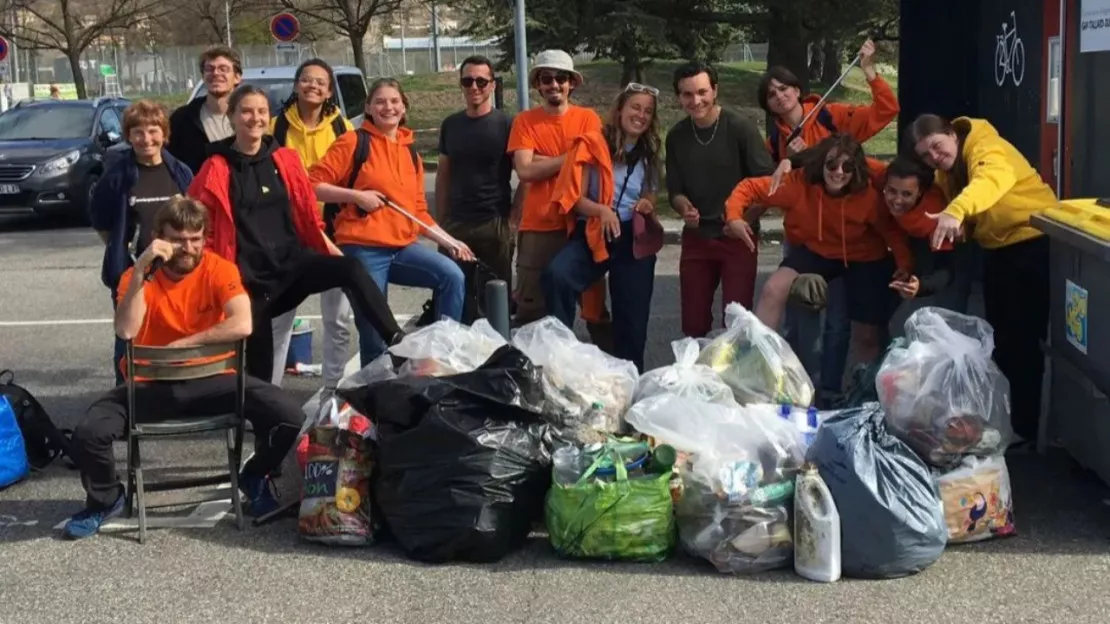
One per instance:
(685,378)
(737,500)
(942,393)
(756,362)
(587,391)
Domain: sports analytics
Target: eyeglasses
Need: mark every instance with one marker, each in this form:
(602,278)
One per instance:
(218,69)
(319,82)
(562,78)
(469,82)
(636,87)
(833,165)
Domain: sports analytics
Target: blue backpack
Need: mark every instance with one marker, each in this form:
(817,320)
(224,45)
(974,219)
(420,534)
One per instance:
(824,117)
(13,453)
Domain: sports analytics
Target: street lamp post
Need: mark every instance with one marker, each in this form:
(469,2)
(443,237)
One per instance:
(227,19)
(521,38)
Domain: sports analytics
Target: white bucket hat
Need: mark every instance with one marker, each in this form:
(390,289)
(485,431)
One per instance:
(556,60)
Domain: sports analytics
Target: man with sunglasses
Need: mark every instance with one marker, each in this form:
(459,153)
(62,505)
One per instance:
(539,141)
(204,120)
(474,178)
(708,153)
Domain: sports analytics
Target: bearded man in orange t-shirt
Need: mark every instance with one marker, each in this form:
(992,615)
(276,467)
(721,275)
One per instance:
(195,298)
(538,141)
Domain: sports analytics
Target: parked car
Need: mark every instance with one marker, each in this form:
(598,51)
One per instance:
(349,89)
(52,154)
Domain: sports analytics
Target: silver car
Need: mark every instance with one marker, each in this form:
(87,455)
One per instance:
(349,89)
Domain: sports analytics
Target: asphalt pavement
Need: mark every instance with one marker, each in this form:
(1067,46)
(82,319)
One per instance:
(55,333)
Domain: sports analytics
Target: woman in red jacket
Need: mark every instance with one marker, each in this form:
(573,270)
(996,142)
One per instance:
(838,226)
(264,218)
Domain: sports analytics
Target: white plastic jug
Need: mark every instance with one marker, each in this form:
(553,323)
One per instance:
(816,528)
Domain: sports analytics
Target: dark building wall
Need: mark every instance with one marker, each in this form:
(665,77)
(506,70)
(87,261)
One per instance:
(937,60)
(949,64)
(1087,124)
(1010,70)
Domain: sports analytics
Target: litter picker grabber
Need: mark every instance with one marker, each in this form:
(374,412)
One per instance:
(797,131)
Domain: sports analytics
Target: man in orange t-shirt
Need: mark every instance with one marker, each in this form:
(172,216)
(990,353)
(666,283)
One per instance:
(539,141)
(195,298)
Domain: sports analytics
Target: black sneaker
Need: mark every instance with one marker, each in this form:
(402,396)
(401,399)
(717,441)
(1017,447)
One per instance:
(428,315)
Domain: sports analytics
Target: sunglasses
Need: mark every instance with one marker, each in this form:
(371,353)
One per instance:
(469,82)
(636,87)
(562,78)
(833,165)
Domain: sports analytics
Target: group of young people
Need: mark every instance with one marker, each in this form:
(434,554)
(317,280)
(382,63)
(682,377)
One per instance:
(253,210)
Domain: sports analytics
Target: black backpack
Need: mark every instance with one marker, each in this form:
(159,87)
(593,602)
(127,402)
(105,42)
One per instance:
(824,117)
(44,441)
(362,154)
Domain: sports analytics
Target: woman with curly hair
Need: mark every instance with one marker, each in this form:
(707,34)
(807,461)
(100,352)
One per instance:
(607,190)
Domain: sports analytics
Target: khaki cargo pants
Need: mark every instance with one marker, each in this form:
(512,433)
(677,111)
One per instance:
(535,251)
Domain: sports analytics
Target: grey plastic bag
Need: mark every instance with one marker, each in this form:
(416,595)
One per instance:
(891,516)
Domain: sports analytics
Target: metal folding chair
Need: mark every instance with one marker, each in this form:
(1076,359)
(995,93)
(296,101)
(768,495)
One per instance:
(165,364)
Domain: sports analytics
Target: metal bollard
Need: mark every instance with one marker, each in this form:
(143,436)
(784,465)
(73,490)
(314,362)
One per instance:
(497,306)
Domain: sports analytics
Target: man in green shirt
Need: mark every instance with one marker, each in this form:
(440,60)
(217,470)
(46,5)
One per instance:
(708,153)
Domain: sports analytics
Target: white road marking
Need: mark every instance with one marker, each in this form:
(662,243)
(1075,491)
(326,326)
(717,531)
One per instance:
(204,516)
(12,521)
(401,320)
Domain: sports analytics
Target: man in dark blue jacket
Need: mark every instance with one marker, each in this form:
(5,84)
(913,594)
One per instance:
(135,185)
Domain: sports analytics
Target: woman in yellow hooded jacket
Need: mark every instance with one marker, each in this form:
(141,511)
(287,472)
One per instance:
(992,191)
(309,123)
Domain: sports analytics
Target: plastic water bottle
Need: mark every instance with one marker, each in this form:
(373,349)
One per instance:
(816,528)
(568,465)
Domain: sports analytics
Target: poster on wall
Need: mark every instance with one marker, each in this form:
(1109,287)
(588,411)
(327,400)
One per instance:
(1094,26)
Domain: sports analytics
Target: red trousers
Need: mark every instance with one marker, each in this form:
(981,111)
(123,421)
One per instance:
(705,263)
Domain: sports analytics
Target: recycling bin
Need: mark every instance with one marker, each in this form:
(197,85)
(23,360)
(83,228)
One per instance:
(1079,333)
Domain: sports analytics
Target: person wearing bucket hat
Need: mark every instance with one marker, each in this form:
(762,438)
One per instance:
(539,141)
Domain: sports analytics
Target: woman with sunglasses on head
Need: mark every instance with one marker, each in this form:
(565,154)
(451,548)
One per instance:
(264,218)
(992,191)
(608,183)
(309,122)
(371,226)
(835,219)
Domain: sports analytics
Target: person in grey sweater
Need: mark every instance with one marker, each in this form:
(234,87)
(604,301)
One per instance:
(708,153)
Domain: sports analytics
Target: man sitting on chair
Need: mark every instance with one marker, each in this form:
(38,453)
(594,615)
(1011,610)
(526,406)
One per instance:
(195,298)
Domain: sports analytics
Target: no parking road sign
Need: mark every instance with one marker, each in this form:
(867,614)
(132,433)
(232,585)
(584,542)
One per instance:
(3,49)
(285,27)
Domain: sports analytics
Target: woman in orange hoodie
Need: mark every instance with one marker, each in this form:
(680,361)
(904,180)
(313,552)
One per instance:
(375,193)
(780,95)
(835,220)
(606,185)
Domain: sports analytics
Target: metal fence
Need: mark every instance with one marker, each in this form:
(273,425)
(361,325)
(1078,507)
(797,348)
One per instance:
(176,69)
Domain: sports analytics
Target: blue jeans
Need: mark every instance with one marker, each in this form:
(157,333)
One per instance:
(413,265)
(801,330)
(631,283)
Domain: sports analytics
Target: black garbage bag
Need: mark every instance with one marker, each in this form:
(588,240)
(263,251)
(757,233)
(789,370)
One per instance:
(463,461)
(891,517)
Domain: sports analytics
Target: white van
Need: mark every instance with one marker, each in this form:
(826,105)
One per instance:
(349,89)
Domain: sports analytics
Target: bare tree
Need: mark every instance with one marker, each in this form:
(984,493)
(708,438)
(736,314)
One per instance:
(71,26)
(352,17)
